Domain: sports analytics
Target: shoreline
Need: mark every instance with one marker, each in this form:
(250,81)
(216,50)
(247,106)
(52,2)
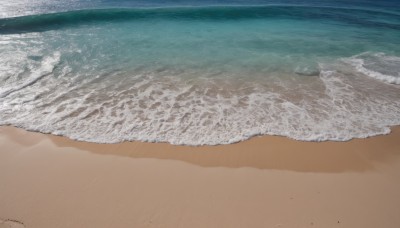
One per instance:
(260,152)
(270,181)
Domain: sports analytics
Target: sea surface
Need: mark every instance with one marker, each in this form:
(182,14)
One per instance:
(200,72)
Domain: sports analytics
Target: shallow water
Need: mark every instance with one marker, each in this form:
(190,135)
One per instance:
(200,73)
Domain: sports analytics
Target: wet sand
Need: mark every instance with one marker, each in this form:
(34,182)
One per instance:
(49,181)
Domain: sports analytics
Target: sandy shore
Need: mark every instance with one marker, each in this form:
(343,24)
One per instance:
(53,182)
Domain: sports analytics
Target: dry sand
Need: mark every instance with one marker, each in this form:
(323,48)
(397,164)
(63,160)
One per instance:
(53,182)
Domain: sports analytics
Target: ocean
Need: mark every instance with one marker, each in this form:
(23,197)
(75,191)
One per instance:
(200,72)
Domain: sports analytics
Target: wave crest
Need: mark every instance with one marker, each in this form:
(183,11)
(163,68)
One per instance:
(43,22)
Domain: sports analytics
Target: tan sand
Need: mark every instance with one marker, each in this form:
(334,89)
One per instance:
(53,182)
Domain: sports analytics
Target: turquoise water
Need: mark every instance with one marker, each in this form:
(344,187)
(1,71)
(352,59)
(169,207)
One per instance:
(202,73)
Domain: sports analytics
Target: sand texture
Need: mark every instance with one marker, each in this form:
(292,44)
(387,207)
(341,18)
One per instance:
(52,182)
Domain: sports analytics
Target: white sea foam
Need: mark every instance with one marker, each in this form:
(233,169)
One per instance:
(164,107)
(45,68)
(377,65)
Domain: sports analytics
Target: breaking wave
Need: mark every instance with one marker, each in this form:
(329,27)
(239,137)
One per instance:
(50,21)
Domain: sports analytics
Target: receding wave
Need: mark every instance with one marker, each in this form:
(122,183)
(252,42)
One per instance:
(340,104)
(43,22)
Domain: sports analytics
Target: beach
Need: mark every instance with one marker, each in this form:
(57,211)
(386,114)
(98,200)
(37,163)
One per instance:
(199,114)
(50,181)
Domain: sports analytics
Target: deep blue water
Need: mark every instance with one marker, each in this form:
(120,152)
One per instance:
(200,72)
(23,7)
